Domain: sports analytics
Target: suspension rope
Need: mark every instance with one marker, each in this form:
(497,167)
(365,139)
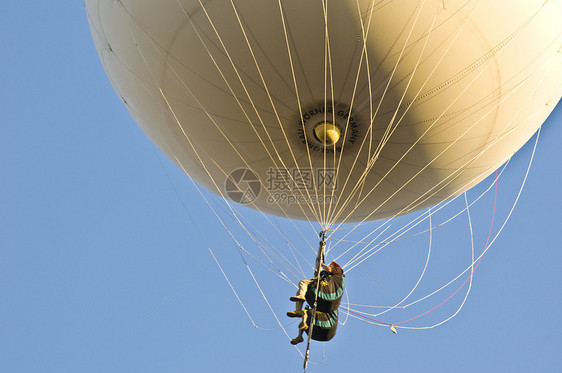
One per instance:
(473,266)
(485,59)
(225,136)
(270,98)
(367,168)
(364,53)
(298,99)
(239,103)
(497,139)
(186,280)
(236,295)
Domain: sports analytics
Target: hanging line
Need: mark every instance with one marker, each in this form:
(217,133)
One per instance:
(488,146)
(473,265)
(393,326)
(373,158)
(486,59)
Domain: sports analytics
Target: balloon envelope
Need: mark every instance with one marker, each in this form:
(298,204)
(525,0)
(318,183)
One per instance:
(428,97)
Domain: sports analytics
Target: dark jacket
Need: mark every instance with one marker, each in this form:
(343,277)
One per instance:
(325,325)
(329,292)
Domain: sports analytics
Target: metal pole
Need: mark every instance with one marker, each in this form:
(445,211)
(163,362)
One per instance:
(319,261)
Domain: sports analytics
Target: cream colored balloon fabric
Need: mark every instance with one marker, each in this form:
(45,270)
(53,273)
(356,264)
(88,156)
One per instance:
(430,96)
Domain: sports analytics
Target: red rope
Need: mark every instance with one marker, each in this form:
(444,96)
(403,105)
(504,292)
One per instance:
(477,263)
(363,316)
(465,281)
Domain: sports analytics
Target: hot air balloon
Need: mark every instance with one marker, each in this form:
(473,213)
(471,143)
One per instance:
(362,110)
(334,111)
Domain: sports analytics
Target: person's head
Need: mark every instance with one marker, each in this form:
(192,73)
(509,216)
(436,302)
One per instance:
(335,269)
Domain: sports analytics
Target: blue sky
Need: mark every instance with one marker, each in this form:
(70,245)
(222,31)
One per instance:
(97,229)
